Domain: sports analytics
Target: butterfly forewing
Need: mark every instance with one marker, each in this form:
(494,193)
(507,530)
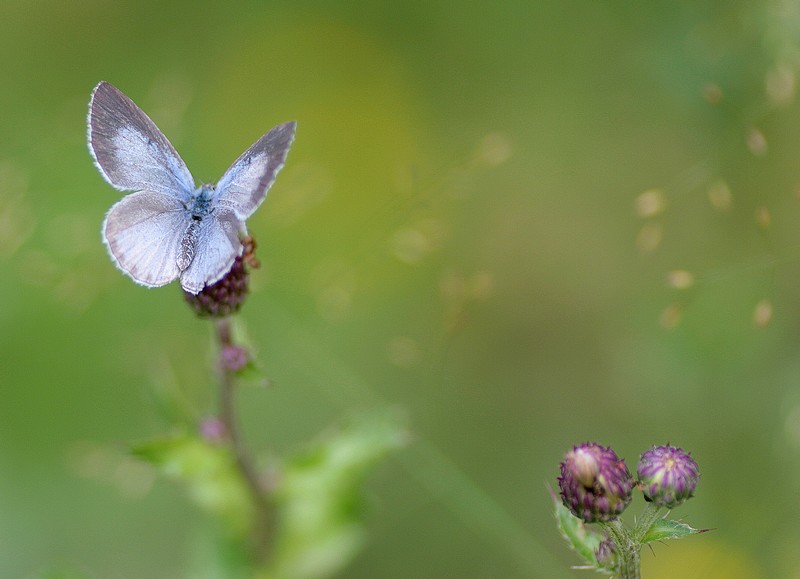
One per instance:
(130,151)
(245,184)
(143,233)
(167,229)
(218,237)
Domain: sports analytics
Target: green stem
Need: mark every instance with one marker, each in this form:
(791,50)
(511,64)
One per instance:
(649,516)
(244,462)
(629,565)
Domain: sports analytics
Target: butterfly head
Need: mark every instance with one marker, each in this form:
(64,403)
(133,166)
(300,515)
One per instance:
(201,202)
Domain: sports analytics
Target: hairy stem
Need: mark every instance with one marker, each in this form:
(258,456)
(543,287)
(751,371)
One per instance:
(244,461)
(646,520)
(629,566)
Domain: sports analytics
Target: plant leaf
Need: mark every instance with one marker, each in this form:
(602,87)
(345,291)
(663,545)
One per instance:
(663,529)
(580,539)
(209,473)
(319,498)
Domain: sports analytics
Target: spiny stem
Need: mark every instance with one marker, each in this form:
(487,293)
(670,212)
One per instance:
(649,516)
(629,565)
(244,462)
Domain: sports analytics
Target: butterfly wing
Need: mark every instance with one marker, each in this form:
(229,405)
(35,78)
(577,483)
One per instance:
(143,232)
(130,151)
(245,184)
(217,245)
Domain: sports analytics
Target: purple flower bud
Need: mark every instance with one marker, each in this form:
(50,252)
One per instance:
(234,358)
(606,553)
(212,429)
(667,475)
(595,483)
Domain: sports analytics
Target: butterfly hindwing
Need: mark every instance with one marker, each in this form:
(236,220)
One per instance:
(218,245)
(143,232)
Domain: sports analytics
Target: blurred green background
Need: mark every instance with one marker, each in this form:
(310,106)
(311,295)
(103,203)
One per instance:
(476,225)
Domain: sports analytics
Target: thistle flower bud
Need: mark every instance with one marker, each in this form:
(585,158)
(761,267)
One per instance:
(226,296)
(212,430)
(606,553)
(234,358)
(595,483)
(667,475)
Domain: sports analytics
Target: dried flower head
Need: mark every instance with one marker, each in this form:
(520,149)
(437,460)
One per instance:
(227,295)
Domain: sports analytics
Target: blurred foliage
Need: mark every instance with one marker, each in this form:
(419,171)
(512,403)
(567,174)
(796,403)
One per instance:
(318,494)
(460,231)
(319,499)
(209,472)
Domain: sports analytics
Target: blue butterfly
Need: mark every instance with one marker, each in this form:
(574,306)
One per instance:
(168,228)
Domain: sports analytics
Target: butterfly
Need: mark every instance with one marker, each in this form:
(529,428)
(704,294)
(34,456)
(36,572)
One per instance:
(169,228)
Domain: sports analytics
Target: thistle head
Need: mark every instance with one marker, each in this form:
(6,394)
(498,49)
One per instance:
(595,483)
(667,475)
(606,553)
(226,296)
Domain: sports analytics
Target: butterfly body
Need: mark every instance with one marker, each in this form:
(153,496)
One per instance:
(168,228)
(201,205)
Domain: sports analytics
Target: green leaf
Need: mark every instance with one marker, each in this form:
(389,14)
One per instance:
(213,554)
(663,529)
(319,498)
(209,473)
(583,541)
(253,375)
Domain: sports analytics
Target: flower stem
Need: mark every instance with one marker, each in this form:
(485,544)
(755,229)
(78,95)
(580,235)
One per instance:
(244,462)
(649,516)
(629,564)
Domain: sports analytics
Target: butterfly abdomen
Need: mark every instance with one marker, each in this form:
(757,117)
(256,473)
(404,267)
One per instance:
(188,244)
